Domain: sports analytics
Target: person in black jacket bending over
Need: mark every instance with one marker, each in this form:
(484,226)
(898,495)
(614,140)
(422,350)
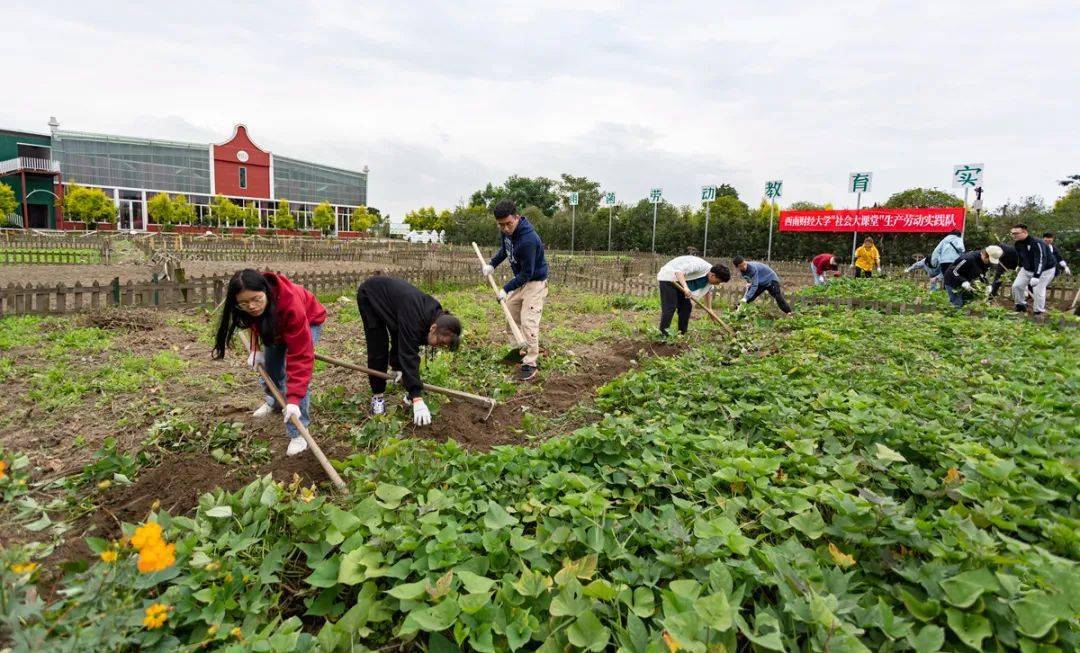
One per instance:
(967,269)
(525,293)
(398,320)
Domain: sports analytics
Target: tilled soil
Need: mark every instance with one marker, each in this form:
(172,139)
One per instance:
(551,397)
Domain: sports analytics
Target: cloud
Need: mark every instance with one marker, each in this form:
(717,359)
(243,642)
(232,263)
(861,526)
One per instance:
(438,99)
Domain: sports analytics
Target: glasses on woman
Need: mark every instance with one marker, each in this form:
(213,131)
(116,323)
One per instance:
(257,300)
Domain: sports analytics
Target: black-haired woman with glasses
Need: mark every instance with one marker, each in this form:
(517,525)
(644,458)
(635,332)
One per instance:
(285,320)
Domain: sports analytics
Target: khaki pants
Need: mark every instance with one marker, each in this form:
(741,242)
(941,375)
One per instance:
(526,305)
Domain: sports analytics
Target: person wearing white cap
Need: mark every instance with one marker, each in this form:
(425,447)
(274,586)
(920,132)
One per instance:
(969,267)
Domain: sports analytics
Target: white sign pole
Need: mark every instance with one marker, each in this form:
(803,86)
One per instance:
(705,245)
(964,230)
(654,229)
(772,210)
(654,195)
(855,234)
(610,208)
(573,225)
(708,194)
(609,199)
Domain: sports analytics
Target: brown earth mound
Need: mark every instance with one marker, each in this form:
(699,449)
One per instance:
(552,397)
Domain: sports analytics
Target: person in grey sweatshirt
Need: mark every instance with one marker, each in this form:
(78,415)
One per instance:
(761,279)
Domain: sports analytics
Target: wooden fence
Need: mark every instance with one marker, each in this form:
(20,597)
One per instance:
(29,250)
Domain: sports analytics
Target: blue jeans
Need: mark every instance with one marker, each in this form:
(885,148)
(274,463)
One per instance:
(274,362)
(955,297)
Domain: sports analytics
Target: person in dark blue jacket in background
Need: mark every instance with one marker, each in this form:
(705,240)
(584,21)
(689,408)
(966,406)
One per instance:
(526,291)
(760,278)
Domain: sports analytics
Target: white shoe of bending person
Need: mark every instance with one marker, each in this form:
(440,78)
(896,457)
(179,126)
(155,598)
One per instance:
(263,411)
(296,445)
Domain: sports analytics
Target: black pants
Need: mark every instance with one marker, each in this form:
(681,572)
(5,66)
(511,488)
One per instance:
(773,288)
(859,272)
(672,299)
(381,343)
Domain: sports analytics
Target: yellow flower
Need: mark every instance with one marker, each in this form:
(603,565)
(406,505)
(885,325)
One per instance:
(237,633)
(952,476)
(212,630)
(145,535)
(307,494)
(673,644)
(104,485)
(156,615)
(108,555)
(3,469)
(156,557)
(24,567)
(839,557)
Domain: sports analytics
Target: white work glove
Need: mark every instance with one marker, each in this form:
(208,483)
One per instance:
(291,410)
(502,295)
(256,358)
(421,416)
(1034,282)
(395,376)
(1067,270)
(487,270)
(966,285)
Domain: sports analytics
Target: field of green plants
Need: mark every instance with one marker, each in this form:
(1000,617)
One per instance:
(840,480)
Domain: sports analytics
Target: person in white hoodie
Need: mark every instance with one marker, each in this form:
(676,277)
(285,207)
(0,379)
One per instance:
(947,251)
(682,278)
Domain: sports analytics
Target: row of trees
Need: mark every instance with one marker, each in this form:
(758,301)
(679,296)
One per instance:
(93,206)
(734,226)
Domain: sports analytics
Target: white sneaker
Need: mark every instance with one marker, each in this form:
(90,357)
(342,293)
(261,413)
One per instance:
(263,411)
(296,445)
(378,405)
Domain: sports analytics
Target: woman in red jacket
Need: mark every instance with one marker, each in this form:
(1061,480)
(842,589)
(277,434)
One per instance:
(285,321)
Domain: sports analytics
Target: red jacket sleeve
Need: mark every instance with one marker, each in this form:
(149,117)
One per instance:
(299,352)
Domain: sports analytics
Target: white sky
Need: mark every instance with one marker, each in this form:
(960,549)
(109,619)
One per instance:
(439,98)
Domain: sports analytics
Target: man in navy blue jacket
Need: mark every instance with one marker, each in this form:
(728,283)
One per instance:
(760,278)
(525,292)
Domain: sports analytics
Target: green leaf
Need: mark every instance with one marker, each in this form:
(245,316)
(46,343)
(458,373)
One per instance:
(644,602)
(344,522)
(390,495)
(1036,614)
(971,628)
(408,591)
(437,618)
(473,603)
(600,589)
(325,574)
(497,517)
(474,582)
(588,633)
(888,455)
(717,527)
(359,565)
(964,589)
(929,640)
(219,511)
(809,523)
(689,589)
(715,611)
(926,610)
(568,602)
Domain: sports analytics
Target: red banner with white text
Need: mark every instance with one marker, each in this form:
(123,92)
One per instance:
(943,220)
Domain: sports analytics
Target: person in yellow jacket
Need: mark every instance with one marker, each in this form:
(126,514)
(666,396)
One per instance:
(867,259)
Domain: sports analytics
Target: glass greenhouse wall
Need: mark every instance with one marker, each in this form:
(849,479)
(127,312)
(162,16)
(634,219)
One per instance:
(115,161)
(299,181)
